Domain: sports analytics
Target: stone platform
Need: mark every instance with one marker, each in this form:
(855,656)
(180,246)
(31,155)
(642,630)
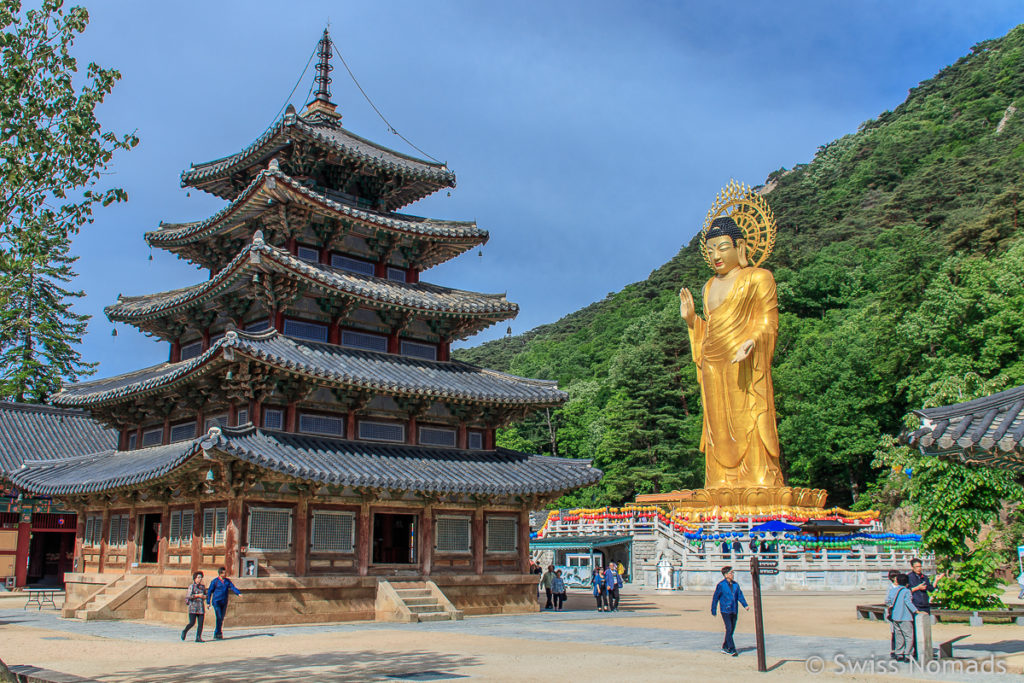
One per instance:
(738,497)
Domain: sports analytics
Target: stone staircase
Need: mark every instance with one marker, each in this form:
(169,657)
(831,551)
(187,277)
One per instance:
(413,601)
(122,598)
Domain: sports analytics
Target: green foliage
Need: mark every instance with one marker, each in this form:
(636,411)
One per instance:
(972,583)
(54,152)
(899,264)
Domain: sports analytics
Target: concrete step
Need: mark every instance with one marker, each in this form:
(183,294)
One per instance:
(425,609)
(406,593)
(433,616)
(419,601)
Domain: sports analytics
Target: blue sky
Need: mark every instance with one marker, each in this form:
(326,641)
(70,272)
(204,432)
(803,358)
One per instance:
(589,138)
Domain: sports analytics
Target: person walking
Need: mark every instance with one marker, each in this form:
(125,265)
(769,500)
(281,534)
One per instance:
(612,581)
(597,580)
(890,599)
(196,607)
(902,617)
(217,597)
(558,590)
(728,597)
(545,582)
(920,585)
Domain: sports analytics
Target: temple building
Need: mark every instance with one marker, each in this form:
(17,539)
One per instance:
(309,430)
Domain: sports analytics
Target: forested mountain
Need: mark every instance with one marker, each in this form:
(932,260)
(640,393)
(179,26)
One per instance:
(900,265)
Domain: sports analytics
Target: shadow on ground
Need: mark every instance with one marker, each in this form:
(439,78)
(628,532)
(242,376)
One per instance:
(326,667)
(1001,646)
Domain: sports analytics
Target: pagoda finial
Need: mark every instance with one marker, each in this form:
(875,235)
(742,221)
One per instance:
(321,103)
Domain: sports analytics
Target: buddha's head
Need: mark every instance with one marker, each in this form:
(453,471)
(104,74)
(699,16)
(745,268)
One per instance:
(725,245)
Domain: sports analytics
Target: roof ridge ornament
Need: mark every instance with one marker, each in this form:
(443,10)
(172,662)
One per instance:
(321,106)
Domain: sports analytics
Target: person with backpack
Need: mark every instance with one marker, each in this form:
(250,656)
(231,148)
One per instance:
(902,617)
(889,600)
(545,583)
(728,596)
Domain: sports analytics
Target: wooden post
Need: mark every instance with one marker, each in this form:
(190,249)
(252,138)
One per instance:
(232,414)
(380,269)
(291,417)
(167,432)
(350,425)
(104,535)
(80,540)
(411,437)
(21,556)
(233,535)
(478,540)
(301,537)
(412,276)
(206,337)
(175,351)
(131,546)
(363,538)
(164,540)
(394,346)
(524,541)
(197,539)
(427,539)
(462,442)
(756,566)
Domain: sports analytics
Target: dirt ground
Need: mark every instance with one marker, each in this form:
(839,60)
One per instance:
(577,646)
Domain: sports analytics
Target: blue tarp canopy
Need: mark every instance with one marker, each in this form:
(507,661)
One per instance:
(775,525)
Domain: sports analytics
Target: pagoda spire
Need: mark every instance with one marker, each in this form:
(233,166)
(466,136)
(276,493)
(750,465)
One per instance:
(321,103)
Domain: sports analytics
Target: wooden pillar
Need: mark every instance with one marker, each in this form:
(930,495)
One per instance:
(175,352)
(130,548)
(444,350)
(363,538)
(463,437)
(291,417)
(21,556)
(232,414)
(410,437)
(325,256)
(489,440)
(164,542)
(167,431)
(197,539)
(334,332)
(301,537)
(351,431)
(233,535)
(79,563)
(412,276)
(200,423)
(104,536)
(206,339)
(279,321)
(138,436)
(256,413)
(479,540)
(523,546)
(394,345)
(380,269)
(427,540)
(292,246)
(122,441)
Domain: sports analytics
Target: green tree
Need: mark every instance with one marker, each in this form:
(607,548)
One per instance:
(54,153)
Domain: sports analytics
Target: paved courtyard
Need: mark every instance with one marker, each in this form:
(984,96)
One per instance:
(655,637)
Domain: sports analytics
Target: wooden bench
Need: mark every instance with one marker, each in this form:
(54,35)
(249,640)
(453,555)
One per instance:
(1015,613)
(41,596)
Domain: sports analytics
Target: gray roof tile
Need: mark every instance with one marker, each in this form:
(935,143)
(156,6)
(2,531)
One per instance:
(31,431)
(366,370)
(324,460)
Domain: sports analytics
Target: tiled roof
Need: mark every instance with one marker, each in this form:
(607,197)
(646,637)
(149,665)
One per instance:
(986,431)
(332,365)
(431,301)
(422,177)
(273,187)
(31,431)
(318,459)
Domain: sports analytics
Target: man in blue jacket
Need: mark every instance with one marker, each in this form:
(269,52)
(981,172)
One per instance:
(217,595)
(728,597)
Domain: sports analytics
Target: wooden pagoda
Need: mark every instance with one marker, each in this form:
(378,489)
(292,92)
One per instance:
(309,431)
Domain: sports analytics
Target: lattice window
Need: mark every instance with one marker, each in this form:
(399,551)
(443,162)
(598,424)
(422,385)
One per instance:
(452,534)
(118,535)
(258,326)
(273,418)
(215,421)
(353,265)
(361,340)
(183,431)
(303,330)
(181,527)
(270,529)
(333,532)
(328,425)
(418,350)
(93,530)
(475,440)
(502,533)
(437,436)
(133,439)
(153,437)
(382,431)
(396,274)
(308,254)
(215,524)
(191,350)
(242,416)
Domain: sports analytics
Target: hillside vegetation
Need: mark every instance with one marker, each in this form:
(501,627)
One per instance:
(900,267)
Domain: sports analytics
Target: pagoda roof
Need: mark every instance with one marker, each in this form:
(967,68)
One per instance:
(430,301)
(984,431)
(33,431)
(323,460)
(272,187)
(327,364)
(422,177)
